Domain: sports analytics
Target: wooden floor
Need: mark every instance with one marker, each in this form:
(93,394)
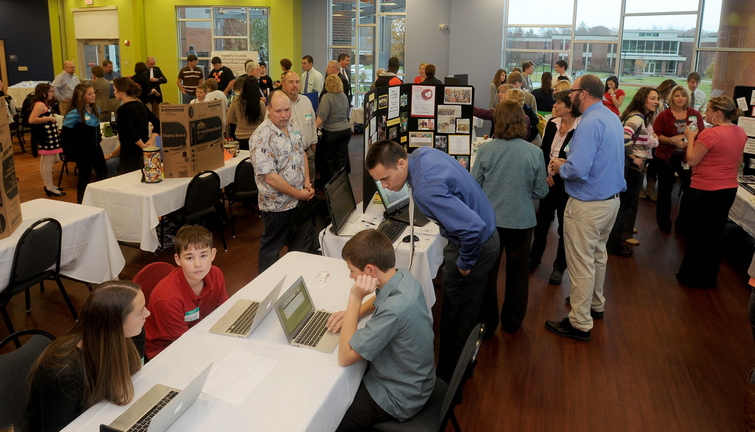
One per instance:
(665,357)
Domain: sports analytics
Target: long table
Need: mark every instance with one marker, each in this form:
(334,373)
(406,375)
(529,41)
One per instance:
(742,212)
(134,207)
(428,250)
(305,391)
(89,250)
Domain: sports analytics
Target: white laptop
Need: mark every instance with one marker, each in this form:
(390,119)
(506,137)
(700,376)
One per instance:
(302,324)
(159,408)
(246,315)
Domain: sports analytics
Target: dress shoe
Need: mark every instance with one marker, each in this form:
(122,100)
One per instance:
(556,276)
(634,230)
(53,192)
(564,328)
(534,265)
(632,242)
(593,313)
(625,251)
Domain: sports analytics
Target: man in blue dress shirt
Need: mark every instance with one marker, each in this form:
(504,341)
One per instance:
(446,193)
(593,175)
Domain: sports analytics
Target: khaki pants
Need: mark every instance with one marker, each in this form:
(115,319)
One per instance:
(587,225)
(156,108)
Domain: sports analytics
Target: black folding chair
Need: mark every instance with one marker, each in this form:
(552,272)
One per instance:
(202,203)
(243,189)
(37,258)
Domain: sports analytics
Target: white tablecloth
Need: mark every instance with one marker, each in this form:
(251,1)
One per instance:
(134,207)
(305,391)
(19,91)
(428,250)
(742,212)
(89,252)
(357,116)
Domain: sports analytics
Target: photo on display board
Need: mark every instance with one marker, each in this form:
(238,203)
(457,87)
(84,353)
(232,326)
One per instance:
(381,127)
(393,133)
(441,143)
(383,102)
(462,125)
(446,124)
(420,139)
(423,101)
(464,161)
(458,144)
(457,95)
(368,109)
(449,110)
(426,124)
(404,124)
(404,100)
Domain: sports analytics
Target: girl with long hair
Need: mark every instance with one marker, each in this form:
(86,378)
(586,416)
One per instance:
(133,125)
(639,140)
(714,155)
(544,94)
(45,140)
(613,96)
(498,79)
(247,111)
(81,129)
(91,362)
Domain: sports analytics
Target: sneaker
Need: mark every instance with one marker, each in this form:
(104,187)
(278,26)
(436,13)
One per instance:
(624,251)
(593,313)
(564,328)
(556,276)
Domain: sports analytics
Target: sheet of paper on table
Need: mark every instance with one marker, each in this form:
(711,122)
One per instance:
(319,280)
(234,379)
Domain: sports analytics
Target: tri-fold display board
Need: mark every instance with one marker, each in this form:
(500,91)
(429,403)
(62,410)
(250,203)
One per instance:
(416,115)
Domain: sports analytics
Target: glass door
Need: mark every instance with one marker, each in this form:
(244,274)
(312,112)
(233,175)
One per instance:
(93,52)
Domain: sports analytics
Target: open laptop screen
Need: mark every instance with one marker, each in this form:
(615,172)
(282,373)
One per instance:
(341,202)
(294,306)
(393,200)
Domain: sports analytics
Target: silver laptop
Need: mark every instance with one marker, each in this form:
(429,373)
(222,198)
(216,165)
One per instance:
(159,408)
(246,315)
(302,324)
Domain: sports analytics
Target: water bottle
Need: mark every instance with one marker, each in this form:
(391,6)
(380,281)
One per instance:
(692,123)
(112,116)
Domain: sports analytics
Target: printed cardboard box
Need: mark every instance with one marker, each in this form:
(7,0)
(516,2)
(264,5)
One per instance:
(10,202)
(192,138)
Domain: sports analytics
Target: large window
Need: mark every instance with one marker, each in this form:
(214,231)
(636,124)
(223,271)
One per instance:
(202,30)
(370,32)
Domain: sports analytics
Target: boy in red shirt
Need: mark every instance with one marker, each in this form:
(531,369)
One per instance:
(188,294)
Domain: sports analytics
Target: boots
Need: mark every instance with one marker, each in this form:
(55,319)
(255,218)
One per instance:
(650,190)
(750,403)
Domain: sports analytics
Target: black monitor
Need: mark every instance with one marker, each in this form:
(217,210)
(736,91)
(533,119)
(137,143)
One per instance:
(341,202)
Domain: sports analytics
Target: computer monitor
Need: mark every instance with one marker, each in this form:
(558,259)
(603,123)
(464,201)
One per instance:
(341,202)
(393,201)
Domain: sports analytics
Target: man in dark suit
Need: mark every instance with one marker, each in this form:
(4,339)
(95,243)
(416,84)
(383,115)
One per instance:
(344,61)
(156,77)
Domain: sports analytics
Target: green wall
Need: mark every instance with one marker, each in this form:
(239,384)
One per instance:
(150,27)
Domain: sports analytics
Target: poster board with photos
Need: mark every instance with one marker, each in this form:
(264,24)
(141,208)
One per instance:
(416,115)
(744,98)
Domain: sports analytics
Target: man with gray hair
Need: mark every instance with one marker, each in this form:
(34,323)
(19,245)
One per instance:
(303,115)
(593,175)
(64,84)
(334,68)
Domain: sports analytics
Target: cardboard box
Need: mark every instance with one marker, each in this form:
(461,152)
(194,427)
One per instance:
(10,202)
(192,138)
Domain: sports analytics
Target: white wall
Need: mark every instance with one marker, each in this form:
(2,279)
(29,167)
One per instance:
(425,42)
(314,32)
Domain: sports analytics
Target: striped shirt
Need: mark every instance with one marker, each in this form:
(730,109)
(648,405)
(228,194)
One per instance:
(190,78)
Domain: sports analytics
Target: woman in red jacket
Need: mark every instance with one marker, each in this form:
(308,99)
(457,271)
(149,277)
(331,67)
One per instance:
(670,158)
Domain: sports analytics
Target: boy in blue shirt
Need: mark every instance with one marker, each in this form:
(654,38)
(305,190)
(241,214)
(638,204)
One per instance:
(397,341)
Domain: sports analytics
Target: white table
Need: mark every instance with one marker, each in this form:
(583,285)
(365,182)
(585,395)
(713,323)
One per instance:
(20,90)
(305,391)
(428,250)
(742,212)
(89,250)
(134,207)
(357,117)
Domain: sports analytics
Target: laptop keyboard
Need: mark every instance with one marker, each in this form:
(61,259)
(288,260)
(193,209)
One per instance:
(244,322)
(392,228)
(313,331)
(143,423)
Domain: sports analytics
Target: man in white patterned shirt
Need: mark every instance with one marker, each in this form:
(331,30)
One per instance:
(281,174)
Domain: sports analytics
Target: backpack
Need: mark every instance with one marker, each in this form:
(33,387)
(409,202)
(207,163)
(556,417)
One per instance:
(26,107)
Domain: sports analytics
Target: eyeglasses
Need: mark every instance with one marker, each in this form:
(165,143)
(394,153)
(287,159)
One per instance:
(576,89)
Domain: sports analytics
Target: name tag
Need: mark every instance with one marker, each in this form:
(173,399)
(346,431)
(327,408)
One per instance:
(308,118)
(192,315)
(87,116)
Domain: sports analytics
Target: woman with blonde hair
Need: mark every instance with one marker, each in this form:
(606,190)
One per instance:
(332,151)
(714,155)
(93,361)
(421,77)
(517,95)
(562,85)
(511,172)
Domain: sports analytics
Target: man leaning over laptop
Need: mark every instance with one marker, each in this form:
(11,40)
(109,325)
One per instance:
(397,341)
